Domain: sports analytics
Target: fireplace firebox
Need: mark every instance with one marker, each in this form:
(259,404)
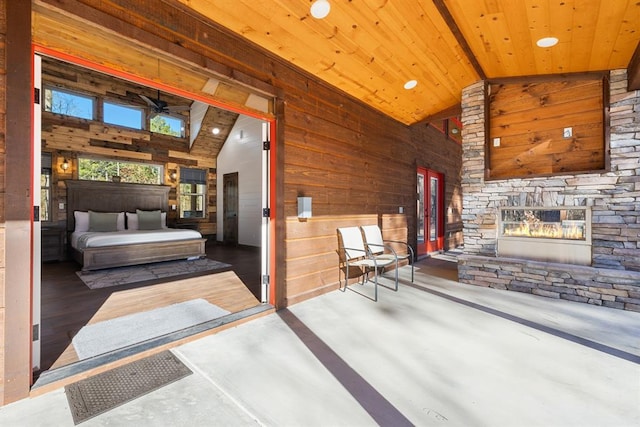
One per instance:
(560,234)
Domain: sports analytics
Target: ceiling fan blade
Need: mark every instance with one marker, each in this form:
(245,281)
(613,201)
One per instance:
(149,101)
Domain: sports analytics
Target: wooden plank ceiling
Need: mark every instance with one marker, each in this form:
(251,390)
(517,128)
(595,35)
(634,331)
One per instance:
(370,48)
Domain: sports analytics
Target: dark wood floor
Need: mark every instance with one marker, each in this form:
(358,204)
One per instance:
(68,305)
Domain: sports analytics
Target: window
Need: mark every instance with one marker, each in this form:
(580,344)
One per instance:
(45,188)
(193,192)
(167,125)
(123,115)
(106,170)
(69,103)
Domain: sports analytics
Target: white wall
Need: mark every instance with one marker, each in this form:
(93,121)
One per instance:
(245,157)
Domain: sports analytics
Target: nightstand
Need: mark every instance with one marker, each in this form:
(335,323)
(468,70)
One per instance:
(52,243)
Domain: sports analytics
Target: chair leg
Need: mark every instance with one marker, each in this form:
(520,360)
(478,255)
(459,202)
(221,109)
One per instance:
(375,285)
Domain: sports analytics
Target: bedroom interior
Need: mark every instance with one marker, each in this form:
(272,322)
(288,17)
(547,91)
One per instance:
(231,281)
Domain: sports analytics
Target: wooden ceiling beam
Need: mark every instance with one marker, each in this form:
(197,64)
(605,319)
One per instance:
(451,23)
(453,111)
(633,71)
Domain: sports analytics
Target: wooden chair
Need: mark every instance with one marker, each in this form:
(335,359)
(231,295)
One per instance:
(354,253)
(381,249)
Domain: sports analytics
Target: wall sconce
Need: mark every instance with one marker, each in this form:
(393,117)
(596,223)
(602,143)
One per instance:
(304,207)
(64,165)
(173,175)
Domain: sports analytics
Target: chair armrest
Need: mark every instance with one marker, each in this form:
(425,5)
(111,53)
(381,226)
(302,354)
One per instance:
(393,251)
(406,244)
(367,252)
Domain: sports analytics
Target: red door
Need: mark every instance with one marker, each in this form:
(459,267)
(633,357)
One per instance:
(430,212)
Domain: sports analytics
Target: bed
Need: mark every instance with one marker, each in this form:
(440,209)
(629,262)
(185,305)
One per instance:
(125,246)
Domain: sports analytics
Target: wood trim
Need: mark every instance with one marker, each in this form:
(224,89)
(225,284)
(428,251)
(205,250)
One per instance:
(452,111)
(183,48)
(606,121)
(17,210)
(487,138)
(451,23)
(633,71)
(548,78)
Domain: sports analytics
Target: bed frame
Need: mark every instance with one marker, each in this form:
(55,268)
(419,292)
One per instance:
(124,197)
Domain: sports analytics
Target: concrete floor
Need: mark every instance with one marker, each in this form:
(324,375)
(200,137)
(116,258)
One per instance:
(435,353)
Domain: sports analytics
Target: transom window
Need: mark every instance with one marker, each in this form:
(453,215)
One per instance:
(75,104)
(123,115)
(69,103)
(167,125)
(119,171)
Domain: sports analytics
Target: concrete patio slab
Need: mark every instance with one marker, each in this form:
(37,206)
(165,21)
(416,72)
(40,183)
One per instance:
(434,353)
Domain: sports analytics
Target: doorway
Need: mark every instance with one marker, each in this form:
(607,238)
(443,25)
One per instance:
(430,211)
(91,302)
(230,208)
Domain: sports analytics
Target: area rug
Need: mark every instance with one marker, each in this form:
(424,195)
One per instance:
(109,335)
(100,393)
(149,272)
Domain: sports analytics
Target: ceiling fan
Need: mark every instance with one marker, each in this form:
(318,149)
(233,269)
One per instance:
(158,106)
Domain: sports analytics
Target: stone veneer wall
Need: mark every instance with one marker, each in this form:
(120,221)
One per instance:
(613,279)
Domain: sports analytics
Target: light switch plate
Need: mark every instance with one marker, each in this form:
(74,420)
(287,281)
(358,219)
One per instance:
(567,132)
(496,142)
(61,206)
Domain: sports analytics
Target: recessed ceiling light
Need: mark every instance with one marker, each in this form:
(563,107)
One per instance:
(215,131)
(320,9)
(410,84)
(547,42)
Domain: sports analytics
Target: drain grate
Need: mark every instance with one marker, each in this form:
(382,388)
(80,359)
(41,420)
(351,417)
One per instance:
(100,393)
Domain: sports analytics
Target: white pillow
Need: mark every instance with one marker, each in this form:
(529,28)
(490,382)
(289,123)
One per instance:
(132,220)
(82,221)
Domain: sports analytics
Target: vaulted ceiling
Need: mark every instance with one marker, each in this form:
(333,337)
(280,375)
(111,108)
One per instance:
(371,48)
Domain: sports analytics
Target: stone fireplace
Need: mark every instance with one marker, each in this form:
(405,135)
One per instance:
(600,264)
(545,234)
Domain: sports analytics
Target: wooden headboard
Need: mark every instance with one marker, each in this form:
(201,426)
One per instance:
(103,196)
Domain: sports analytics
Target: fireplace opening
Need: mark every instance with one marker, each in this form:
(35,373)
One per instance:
(546,234)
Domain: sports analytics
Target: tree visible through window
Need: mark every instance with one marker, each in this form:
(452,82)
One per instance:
(193,192)
(45,188)
(69,103)
(105,170)
(167,125)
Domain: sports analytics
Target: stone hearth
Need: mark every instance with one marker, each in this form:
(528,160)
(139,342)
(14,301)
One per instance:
(612,275)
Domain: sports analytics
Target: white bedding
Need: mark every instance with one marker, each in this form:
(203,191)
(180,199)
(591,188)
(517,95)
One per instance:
(91,239)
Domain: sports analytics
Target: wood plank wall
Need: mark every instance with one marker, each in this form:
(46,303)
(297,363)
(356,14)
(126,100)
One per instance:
(442,154)
(357,164)
(530,119)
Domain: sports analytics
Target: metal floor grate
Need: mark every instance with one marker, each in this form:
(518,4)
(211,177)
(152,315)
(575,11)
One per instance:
(100,393)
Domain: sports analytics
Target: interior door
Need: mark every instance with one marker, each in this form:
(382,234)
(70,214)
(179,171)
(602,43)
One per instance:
(430,211)
(230,208)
